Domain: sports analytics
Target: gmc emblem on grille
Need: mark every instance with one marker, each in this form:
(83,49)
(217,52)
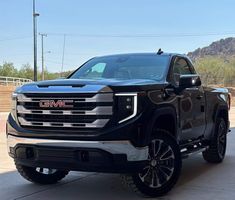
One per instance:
(56,104)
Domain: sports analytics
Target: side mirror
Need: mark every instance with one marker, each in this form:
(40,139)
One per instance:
(188,81)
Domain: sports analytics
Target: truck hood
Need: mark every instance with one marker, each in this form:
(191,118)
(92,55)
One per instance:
(107,82)
(90,86)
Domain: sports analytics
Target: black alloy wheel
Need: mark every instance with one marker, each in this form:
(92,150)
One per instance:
(162,168)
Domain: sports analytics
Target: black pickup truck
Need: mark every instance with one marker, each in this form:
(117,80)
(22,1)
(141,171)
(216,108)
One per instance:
(134,114)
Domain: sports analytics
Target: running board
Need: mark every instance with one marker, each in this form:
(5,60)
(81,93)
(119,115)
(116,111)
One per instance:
(187,153)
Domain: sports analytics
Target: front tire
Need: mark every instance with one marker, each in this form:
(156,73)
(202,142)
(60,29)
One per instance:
(217,149)
(39,175)
(162,170)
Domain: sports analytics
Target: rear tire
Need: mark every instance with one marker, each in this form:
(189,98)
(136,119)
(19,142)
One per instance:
(42,176)
(217,149)
(162,170)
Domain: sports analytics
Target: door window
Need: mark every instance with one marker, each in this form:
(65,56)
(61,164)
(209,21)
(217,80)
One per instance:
(181,67)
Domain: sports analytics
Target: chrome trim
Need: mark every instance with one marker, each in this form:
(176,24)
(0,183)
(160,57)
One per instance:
(105,97)
(113,147)
(106,109)
(100,110)
(23,98)
(99,123)
(135,95)
(192,88)
(14,95)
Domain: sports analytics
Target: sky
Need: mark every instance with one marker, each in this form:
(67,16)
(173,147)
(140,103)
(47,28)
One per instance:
(95,28)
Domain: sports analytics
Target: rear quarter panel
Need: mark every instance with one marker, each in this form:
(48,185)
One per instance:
(216,99)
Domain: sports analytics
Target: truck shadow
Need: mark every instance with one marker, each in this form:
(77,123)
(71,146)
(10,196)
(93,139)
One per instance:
(195,172)
(193,168)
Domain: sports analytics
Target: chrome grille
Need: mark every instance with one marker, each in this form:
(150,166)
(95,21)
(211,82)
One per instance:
(88,111)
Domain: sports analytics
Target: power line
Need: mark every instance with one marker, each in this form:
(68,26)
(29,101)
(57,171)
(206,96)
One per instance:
(21,54)
(15,38)
(125,35)
(143,35)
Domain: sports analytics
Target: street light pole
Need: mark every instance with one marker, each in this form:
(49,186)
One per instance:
(42,37)
(35,15)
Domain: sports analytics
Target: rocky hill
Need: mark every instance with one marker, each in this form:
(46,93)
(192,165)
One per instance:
(222,48)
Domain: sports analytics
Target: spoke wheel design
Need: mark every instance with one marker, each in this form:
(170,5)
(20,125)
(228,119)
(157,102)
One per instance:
(160,164)
(162,168)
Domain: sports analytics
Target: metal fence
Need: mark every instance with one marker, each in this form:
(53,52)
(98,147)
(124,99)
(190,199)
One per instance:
(13,81)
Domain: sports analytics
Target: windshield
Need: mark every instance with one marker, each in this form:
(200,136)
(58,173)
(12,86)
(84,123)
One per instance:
(124,67)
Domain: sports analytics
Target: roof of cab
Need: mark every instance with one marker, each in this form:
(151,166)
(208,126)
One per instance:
(144,54)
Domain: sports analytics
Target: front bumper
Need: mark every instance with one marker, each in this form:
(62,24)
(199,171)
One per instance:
(114,147)
(97,156)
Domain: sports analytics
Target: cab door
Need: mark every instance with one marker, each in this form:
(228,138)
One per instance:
(191,102)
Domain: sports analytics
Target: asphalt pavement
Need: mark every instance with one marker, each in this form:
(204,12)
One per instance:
(199,180)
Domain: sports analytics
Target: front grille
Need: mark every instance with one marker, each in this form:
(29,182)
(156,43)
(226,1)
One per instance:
(85,111)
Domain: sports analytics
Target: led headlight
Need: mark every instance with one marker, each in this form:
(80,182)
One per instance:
(127,106)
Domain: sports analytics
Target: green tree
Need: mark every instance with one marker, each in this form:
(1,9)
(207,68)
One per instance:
(26,71)
(67,73)
(216,70)
(49,76)
(8,69)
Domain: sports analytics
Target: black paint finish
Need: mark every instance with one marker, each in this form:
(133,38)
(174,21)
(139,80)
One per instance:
(192,110)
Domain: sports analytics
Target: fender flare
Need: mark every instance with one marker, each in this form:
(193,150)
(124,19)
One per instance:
(159,112)
(217,110)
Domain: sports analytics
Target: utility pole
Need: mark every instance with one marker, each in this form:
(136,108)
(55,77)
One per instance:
(62,66)
(35,15)
(42,37)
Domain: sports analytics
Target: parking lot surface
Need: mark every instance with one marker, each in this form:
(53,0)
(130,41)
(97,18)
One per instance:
(199,180)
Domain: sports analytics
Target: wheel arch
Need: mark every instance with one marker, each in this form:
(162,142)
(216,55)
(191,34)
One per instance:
(164,118)
(222,111)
